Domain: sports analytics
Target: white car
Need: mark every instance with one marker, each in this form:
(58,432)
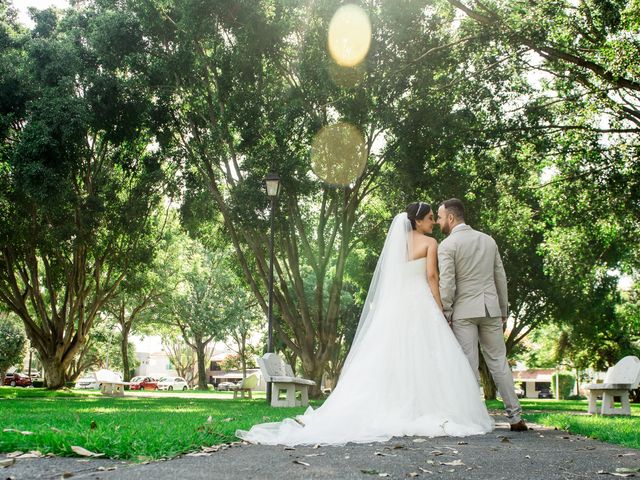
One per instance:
(172,383)
(89,381)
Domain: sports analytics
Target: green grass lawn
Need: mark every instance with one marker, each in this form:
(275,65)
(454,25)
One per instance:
(127,427)
(571,415)
(137,428)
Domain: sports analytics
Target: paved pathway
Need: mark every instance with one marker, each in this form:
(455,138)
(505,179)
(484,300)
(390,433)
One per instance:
(540,454)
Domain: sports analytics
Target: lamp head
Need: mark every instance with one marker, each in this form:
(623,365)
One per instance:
(272,182)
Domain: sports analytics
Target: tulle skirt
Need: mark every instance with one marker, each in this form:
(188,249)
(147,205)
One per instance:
(408,376)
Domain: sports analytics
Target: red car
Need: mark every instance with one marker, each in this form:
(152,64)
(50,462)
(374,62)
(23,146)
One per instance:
(144,383)
(17,380)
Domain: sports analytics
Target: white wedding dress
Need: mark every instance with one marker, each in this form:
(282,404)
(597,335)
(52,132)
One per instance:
(405,374)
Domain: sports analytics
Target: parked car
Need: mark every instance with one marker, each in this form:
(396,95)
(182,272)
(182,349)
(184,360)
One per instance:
(172,383)
(17,380)
(89,382)
(144,383)
(225,385)
(545,393)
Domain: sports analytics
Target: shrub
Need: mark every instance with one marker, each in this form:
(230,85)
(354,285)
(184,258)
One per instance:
(11,347)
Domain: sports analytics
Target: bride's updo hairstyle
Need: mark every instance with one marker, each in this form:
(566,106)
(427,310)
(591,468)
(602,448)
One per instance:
(417,211)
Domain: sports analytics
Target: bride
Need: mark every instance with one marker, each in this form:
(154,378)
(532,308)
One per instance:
(405,374)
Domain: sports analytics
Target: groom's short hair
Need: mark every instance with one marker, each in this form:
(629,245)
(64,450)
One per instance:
(455,207)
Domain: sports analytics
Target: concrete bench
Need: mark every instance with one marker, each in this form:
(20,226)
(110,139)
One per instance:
(110,384)
(620,379)
(275,370)
(245,386)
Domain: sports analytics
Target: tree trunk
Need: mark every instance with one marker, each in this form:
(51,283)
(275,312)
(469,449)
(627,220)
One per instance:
(54,373)
(488,386)
(124,348)
(314,371)
(243,357)
(202,373)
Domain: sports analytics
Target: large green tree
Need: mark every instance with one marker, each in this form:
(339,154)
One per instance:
(78,177)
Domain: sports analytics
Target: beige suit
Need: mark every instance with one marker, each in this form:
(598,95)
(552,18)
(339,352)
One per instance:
(473,287)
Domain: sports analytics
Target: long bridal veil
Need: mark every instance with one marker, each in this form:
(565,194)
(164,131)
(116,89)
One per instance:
(405,373)
(388,276)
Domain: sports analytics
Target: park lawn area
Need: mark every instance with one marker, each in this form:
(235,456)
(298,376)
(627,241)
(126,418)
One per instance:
(138,428)
(132,428)
(571,415)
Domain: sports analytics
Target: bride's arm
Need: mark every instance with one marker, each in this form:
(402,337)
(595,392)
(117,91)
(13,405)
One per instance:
(432,270)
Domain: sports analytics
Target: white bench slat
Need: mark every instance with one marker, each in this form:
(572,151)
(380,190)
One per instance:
(619,380)
(280,374)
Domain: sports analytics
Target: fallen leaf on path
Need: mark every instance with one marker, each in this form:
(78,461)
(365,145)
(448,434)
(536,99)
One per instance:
(419,440)
(31,454)
(317,445)
(615,474)
(424,470)
(505,440)
(68,474)
(5,462)
(198,454)
(107,469)
(299,462)
(455,463)
(437,453)
(212,449)
(370,472)
(315,454)
(413,474)
(289,448)
(15,454)
(626,454)
(384,475)
(463,443)
(382,454)
(83,452)
(628,470)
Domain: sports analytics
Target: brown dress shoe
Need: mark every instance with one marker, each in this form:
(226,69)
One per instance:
(519,427)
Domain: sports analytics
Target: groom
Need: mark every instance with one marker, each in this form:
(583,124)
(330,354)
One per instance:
(473,287)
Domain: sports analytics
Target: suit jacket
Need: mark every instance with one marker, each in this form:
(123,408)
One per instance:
(472,278)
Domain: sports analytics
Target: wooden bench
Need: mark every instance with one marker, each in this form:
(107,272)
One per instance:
(110,384)
(246,385)
(620,379)
(280,374)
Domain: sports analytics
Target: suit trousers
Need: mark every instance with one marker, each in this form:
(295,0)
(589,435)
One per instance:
(488,332)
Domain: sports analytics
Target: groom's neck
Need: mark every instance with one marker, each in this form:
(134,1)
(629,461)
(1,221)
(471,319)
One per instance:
(455,223)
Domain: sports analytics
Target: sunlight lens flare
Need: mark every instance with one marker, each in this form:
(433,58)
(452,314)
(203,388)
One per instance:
(338,154)
(349,35)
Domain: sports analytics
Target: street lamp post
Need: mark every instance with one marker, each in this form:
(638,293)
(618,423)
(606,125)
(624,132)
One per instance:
(272,182)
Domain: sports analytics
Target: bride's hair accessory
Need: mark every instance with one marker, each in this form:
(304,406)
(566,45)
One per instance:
(421,210)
